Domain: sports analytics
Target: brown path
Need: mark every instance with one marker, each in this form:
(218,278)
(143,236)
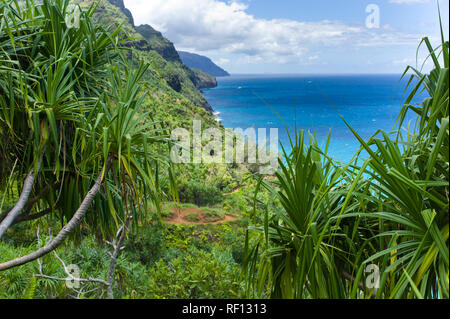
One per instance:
(236,190)
(179,217)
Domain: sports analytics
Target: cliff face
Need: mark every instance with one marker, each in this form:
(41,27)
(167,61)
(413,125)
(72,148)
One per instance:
(201,79)
(166,49)
(203,63)
(159,43)
(153,40)
(170,76)
(121,5)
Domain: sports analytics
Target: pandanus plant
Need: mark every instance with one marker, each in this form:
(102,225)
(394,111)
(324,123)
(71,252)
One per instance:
(300,252)
(386,211)
(72,124)
(411,178)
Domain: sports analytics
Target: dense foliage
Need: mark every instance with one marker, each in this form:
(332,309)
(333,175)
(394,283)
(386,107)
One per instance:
(85,113)
(388,211)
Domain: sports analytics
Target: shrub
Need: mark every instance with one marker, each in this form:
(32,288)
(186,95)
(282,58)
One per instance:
(200,194)
(212,214)
(147,246)
(198,274)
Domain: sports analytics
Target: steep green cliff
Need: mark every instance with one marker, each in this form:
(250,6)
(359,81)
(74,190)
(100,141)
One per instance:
(158,43)
(121,5)
(169,76)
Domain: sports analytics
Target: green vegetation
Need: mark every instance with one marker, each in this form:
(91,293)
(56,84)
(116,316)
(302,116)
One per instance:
(92,153)
(200,193)
(389,209)
(85,116)
(85,148)
(193,217)
(174,262)
(212,214)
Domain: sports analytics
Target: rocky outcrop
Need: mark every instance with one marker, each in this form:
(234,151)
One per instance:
(201,79)
(148,41)
(121,5)
(158,43)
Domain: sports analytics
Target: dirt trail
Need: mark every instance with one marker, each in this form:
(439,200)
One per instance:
(179,217)
(237,189)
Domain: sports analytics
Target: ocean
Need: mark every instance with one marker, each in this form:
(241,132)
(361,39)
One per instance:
(367,102)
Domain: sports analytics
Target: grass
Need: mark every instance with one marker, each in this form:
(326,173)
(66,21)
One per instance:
(212,214)
(181,205)
(192,217)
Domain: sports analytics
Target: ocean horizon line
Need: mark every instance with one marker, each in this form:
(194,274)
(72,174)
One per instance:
(309,74)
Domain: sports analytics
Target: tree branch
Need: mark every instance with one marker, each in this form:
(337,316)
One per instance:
(117,248)
(64,233)
(66,270)
(30,203)
(27,217)
(116,244)
(27,187)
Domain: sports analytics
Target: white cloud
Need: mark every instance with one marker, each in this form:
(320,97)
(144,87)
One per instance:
(223,61)
(205,26)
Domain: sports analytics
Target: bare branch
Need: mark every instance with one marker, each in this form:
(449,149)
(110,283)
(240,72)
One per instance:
(26,217)
(117,248)
(68,273)
(85,280)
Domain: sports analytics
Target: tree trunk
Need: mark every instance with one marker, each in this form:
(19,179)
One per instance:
(15,211)
(28,206)
(64,233)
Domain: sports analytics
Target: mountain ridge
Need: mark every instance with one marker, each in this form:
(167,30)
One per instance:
(121,5)
(197,61)
(158,42)
(170,75)
(168,51)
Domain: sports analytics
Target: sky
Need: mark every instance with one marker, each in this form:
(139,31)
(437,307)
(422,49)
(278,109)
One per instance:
(299,36)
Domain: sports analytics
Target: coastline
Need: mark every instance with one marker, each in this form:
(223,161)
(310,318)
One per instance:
(309,102)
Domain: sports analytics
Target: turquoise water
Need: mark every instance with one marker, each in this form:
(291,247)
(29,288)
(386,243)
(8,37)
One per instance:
(367,102)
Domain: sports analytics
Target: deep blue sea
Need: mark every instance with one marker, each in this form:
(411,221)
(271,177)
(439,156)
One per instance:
(367,102)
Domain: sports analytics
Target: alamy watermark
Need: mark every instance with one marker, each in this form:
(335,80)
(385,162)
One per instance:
(73,278)
(214,145)
(73,15)
(373,19)
(373,279)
